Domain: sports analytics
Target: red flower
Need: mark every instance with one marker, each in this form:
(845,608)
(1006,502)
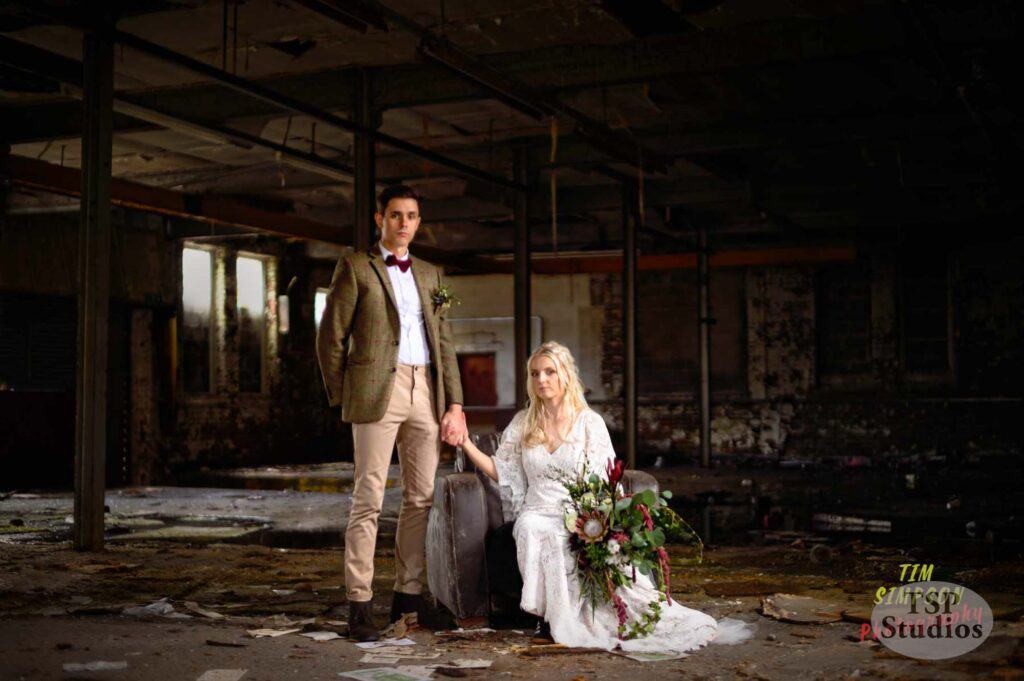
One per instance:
(615,469)
(647,516)
(620,610)
(666,572)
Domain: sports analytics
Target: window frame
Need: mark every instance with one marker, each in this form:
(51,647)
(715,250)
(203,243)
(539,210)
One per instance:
(264,326)
(212,363)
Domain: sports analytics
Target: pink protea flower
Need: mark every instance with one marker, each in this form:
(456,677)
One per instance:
(591,526)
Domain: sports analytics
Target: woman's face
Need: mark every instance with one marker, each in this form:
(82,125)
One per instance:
(547,385)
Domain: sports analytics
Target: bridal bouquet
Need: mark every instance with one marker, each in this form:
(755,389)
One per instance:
(614,536)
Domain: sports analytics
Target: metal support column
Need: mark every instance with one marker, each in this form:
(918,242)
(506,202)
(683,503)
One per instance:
(522,273)
(630,216)
(704,340)
(93,289)
(365,189)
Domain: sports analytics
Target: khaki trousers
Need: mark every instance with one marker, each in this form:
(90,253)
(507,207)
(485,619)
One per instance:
(411,420)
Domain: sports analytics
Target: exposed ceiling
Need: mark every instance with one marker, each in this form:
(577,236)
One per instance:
(773,121)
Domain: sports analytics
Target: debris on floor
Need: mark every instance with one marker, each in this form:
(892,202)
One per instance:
(387,642)
(399,628)
(800,609)
(192,606)
(321,636)
(222,675)
(98,666)
(270,633)
(387,674)
(161,608)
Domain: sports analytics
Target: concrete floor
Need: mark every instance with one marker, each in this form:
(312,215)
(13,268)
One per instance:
(257,556)
(58,606)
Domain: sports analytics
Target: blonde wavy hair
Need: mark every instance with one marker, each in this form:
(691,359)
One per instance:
(574,403)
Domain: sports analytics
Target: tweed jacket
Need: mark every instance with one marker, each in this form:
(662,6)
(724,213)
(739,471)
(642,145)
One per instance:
(357,343)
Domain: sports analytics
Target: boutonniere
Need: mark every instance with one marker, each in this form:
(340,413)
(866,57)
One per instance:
(443,298)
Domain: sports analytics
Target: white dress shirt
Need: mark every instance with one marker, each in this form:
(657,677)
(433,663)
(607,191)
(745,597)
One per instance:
(412,343)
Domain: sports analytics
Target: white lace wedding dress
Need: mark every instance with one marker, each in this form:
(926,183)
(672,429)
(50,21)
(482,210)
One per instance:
(536,501)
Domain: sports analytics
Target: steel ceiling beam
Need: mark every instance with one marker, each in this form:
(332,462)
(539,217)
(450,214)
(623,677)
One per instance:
(67,71)
(283,101)
(516,93)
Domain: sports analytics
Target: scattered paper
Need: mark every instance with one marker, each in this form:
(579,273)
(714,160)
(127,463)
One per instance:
(385,674)
(336,623)
(321,636)
(651,657)
(159,608)
(222,675)
(261,633)
(192,606)
(283,592)
(375,658)
(98,666)
(370,645)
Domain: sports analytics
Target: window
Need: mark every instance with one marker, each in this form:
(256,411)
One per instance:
(197,318)
(252,297)
(844,319)
(319,304)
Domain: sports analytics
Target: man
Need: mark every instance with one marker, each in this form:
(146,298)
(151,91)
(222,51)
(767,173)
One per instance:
(387,357)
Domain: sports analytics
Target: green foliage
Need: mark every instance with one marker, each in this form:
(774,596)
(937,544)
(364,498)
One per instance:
(600,571)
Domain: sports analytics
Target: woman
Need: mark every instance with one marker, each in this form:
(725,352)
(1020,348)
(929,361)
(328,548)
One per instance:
(557,434)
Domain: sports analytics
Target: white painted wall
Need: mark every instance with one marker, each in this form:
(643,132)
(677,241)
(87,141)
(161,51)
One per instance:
(482,323)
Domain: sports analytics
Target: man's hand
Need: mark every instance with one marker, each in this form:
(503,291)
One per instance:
(453,425)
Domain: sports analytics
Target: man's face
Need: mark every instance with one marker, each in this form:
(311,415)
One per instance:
(399,223)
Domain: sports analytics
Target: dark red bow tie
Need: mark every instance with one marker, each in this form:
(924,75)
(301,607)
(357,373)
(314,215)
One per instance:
(403,265)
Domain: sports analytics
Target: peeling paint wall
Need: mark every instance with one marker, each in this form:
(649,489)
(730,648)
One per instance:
(780,332)
(790,414)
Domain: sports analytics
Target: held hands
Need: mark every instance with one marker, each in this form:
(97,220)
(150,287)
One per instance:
(453,426)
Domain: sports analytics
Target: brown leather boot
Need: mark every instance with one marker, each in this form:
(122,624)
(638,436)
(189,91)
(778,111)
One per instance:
(360,622)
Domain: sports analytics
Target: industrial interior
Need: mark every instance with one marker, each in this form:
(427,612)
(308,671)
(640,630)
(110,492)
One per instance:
(779,236)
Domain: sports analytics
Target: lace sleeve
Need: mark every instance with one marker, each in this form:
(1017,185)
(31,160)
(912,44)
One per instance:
(508,461)
(599,445)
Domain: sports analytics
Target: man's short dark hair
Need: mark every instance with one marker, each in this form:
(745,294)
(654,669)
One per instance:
(395,191)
